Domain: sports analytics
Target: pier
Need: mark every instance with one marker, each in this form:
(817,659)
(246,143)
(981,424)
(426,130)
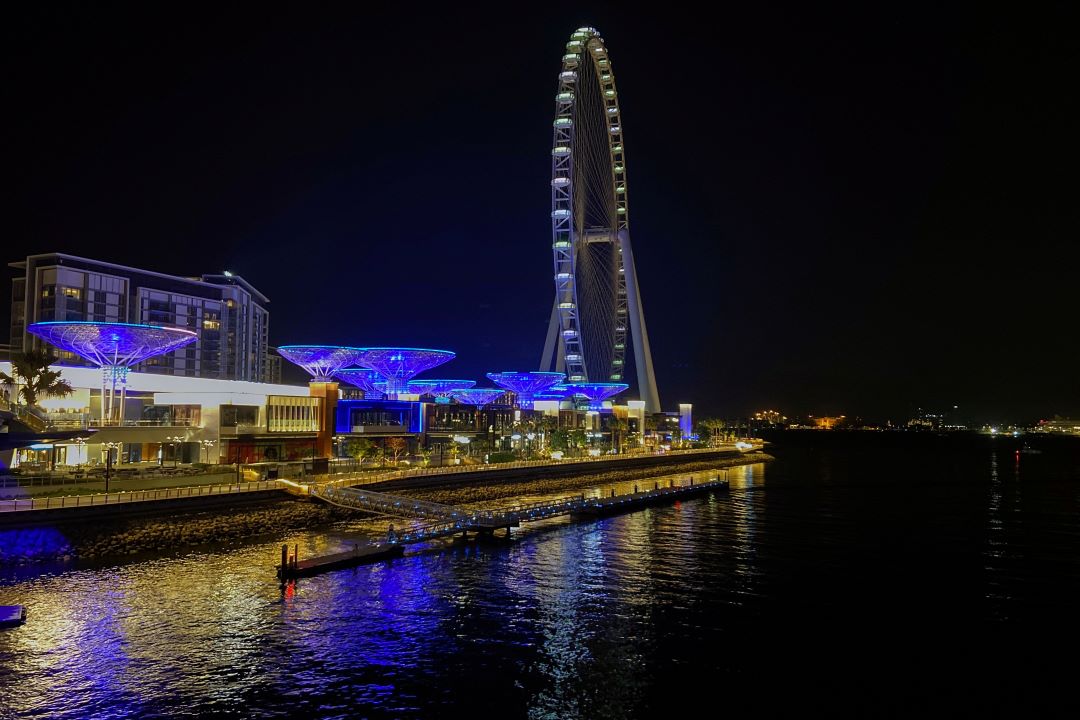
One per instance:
(450,520)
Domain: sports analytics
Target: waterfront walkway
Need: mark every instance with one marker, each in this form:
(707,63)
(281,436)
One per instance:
(450,520)
(324,483)
(137,496)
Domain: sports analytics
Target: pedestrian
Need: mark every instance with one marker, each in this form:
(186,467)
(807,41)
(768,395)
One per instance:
(390,536)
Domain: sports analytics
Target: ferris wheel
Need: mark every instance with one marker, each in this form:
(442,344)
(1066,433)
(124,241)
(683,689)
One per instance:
(597,303)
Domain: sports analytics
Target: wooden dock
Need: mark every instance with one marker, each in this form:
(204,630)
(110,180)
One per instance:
(12,615)
(292,567)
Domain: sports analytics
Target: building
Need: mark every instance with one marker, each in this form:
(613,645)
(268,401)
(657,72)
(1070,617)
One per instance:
(176,418)
(1059,425)
(227,313)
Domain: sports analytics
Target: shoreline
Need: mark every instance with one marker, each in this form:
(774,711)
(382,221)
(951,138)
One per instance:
(85,540)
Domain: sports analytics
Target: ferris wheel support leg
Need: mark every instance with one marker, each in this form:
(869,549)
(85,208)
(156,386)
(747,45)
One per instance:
(552,342)
(646,378)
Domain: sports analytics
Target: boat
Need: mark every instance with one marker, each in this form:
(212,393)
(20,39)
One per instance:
(12,615)
(1028,450)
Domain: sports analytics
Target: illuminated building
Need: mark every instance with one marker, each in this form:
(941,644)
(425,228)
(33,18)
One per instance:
(252,421)
(769,417)
(323,362)
(686,420)
(228,316)
(1059,425)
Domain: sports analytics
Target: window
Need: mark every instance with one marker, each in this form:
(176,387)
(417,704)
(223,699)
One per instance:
(234,415)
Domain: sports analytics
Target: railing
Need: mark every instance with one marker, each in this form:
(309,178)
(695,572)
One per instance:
(527,512)
(134,496)
(181,422)
(389,504)
(27,416)
(371,478)
(96,474)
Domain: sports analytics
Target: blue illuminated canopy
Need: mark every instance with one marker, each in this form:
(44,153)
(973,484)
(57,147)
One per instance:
(526,384)
(399,365)
(477,396)
(598,392)
(109,344)
(438,388)
(322,362)
(364,379)
(555,392)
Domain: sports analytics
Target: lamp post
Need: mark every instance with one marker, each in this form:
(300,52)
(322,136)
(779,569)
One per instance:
(238,467)
(207,444)
(109,447)
(175,440)
(80,444)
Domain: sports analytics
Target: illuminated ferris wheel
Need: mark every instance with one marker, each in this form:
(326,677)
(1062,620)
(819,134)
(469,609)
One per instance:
(597,302)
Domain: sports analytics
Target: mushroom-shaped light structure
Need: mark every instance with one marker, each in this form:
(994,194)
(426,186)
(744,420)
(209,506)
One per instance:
(597,393)
(400,365)
(555,392)
(477,396)
(364,379)
(526,384)
(114,347)
(439,388)
(322,362)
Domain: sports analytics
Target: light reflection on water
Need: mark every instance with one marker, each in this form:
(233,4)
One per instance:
(569,619)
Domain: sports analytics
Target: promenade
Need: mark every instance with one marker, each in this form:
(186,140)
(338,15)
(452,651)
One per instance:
(246,488)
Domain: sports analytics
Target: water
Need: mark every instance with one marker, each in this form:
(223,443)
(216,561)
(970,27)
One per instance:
(876,574)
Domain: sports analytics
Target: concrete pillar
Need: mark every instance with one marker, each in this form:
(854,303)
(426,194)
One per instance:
(324,440)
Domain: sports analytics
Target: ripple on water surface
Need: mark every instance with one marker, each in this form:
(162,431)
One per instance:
(624,617)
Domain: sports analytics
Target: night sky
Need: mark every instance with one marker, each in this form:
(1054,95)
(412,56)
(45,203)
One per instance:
(857,211)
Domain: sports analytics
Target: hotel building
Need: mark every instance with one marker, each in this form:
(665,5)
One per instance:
(227,313)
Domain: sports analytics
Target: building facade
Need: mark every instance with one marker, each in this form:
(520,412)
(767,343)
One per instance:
(228,314)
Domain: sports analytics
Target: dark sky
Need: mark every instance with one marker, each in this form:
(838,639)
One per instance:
(853,211)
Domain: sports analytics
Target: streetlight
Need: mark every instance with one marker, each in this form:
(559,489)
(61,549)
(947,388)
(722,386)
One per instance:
(175,440)
(207,444)
(80,444)
(109,447)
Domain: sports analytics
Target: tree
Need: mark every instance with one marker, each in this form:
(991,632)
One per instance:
(360,448)
(578,439)
(547,425)
(396,447)
(715,428)
(32,373)
(560,440)
(619,428)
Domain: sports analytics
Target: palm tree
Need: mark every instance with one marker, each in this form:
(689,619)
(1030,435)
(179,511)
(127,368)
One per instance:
(619,428)
(31,371)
